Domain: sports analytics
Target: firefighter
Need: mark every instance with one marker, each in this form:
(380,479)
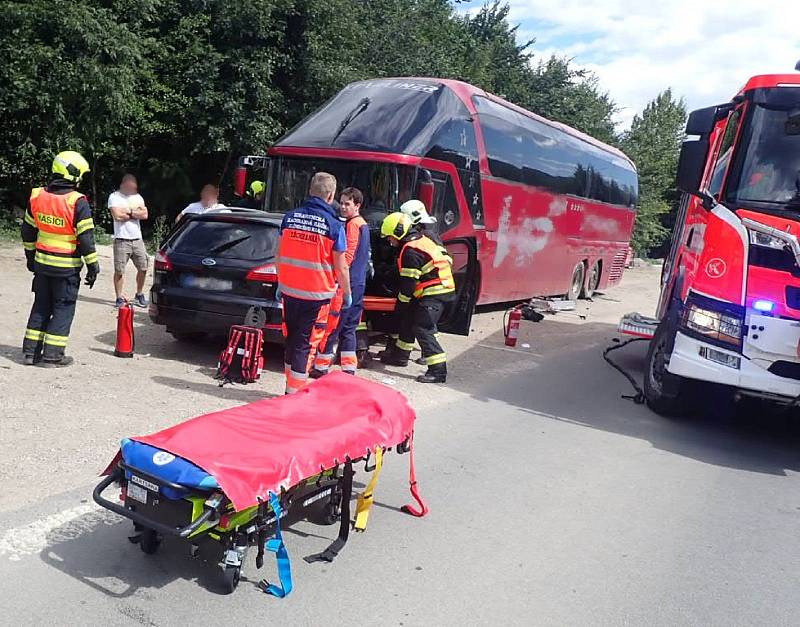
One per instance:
(342,326)
(426,286)
(58,237)
(311,259)
(255,196)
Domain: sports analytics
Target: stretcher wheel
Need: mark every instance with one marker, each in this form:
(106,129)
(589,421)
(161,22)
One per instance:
(149,541)
(230,578)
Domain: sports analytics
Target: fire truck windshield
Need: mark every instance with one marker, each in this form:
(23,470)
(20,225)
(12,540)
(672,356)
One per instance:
(770,165)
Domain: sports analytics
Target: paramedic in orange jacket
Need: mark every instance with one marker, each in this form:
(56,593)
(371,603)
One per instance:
(343,322)
(311,260)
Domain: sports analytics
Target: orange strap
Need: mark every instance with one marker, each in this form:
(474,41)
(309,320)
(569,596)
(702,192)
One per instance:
(412,484)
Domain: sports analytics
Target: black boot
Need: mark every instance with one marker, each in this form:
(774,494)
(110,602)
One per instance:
(393,356)
(30,359)
(435,374)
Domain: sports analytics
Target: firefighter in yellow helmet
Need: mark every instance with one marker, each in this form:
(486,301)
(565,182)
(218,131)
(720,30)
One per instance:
(426,286)
(58,237)
(255,196)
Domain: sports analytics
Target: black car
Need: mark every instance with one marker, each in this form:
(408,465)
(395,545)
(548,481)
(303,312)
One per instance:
(212,269)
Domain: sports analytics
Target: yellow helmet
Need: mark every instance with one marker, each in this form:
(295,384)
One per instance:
(257,187)
(71,165)
(396,225)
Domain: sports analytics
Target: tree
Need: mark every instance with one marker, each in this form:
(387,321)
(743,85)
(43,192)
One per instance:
(654,143)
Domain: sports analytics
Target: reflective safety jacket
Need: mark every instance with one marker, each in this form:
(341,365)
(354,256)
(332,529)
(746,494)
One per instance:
(58,230)
(358,250)
(424,269)
(309,236)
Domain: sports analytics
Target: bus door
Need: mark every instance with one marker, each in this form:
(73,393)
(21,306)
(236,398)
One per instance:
(443,203)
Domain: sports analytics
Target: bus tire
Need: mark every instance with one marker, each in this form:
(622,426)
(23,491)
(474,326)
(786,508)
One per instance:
(666,394)
(593,280)
(577,281)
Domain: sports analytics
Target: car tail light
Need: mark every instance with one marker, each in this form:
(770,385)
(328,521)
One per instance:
(162,262)
(264,274)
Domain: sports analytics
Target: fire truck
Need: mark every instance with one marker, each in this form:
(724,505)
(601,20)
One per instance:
(728,318)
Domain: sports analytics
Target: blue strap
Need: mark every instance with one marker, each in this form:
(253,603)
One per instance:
(277,546)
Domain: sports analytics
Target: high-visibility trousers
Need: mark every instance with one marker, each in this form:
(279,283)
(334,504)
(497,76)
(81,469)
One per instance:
(421,324)
(304,324)
(51,316)
(343,334)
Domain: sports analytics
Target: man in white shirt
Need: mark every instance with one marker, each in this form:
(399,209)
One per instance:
(209,200)
(127,208)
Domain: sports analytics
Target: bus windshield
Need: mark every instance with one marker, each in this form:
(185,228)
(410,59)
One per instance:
(770,170)
(385,185)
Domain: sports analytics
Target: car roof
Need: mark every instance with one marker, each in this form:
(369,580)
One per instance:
(238,214)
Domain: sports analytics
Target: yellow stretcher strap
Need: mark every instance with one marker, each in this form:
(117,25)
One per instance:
(364,503)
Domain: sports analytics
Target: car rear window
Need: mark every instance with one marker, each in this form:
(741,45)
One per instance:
(227,240)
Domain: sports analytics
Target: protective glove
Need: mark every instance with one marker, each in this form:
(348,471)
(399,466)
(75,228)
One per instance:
(30,264)
(92,270)
(278,293)
(347,300)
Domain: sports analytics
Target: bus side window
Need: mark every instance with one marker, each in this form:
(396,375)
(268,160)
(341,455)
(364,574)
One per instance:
(445,206)
(724,154)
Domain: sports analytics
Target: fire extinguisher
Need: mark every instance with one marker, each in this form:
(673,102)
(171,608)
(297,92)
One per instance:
(511,328)
(124,345)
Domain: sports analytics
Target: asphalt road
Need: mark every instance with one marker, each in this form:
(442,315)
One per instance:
(554,501)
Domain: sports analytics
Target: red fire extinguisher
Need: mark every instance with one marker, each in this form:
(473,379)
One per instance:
(124,345)
(511,330)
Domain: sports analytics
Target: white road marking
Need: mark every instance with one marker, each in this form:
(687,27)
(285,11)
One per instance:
(66,525)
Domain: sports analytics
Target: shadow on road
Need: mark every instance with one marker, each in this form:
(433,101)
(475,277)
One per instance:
(570,382)
(94,550)
(233,392)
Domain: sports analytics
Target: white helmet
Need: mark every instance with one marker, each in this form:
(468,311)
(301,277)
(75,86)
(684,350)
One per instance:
(415,209)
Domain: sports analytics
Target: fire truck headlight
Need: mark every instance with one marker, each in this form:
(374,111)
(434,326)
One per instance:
(766,241)
(764,305)
(717,326)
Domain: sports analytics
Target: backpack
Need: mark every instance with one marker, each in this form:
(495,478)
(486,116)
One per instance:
(242,359)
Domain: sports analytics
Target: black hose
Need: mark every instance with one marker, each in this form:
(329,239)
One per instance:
(637,398)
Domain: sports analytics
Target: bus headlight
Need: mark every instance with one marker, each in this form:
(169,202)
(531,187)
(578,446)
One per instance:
(714,321)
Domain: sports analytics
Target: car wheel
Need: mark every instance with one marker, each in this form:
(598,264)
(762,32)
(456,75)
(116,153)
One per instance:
(666,394)
(576,284)
(592,281)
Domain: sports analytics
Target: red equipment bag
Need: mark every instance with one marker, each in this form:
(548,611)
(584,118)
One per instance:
(124,344)
(242,359)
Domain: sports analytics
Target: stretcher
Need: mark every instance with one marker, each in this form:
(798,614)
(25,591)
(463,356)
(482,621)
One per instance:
(229,480)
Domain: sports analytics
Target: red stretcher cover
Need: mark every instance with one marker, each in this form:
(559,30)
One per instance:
(258,448)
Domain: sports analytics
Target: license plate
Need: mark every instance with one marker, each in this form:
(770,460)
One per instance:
(206,283)
(137,493)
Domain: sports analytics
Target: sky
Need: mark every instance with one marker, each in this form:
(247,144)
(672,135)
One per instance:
(704,49)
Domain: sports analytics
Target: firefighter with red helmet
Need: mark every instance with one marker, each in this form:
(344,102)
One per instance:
(58,237)
(426,287)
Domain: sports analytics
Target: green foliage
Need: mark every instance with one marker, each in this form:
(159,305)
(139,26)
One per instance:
(175,90)
(654,143)
(161,228)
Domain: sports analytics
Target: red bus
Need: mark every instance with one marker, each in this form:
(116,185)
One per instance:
(526,206)
(730,300)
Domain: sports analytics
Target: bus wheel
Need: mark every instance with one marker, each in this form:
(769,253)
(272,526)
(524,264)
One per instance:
(592,282)
(666,394)
(576,286)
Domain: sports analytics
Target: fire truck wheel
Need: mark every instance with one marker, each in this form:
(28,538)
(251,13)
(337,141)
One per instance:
(576,285)
(592,282)
(666,393)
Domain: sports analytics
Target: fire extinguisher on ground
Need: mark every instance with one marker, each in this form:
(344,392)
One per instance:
(511,327)
(124,345)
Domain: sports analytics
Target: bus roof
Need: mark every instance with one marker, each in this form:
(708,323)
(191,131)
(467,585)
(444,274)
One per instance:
(465,91)
(770,80)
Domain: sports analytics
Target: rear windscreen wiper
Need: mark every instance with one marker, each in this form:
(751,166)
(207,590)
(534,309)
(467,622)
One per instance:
(228,245)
